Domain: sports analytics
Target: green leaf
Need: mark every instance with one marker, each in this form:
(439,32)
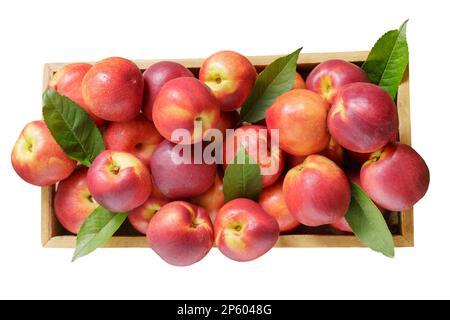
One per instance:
(276,79)
(368,223)
(388,59)
(72,127)
(242,178)
(96,230)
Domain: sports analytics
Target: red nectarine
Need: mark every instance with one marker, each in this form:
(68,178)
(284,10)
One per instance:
(213,199)
(180,180)
(119,181)
(67,81)
(316,192)
(257,142)
(230,76)
(299,83)
(181,233)
(113,89)
(155,77)
(38,159)
(301,117)
(138,137)
(272,201)
(244,231)
(363,118)
(331,75)
(181,103)
(73,202)
(396,177)
(140,217)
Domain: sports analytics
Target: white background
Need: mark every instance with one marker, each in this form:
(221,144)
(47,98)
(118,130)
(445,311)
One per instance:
(35,32)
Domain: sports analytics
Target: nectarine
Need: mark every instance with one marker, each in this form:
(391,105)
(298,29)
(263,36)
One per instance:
(299,83)
(38,159)
(181,103)
(140,217)
(272,201)
(317,192)
(396,177)
(155,77)
(138,137)
(113,89)
(257,142)
(181,233)
(67,81)
(301,117)
(333,152)
(331,75)
(73,202)
(178,180)
(119,181)
(244,231)
(230,76)
(213,199)
(363,117)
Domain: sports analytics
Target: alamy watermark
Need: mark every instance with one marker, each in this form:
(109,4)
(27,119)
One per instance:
(261,145)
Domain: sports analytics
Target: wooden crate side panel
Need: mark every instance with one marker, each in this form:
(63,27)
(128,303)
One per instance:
(46,215)
(304,58)
(404,109)
(286,241)
(48,220)
(403,105)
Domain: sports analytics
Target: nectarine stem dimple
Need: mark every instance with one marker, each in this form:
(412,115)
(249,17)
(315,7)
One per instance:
(218,80)
(150,212)
(138,146)
(238,228)
(196,223)
(326,87)
(115,169)
(375,156)
(28,144)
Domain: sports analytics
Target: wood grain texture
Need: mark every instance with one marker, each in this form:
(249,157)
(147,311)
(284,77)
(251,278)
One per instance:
(51,231)
(48,219)
(403,105)
(284,241)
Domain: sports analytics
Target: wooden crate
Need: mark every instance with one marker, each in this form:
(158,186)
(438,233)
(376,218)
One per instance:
(54,236)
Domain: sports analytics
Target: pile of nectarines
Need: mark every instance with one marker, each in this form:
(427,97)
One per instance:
(333,128)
